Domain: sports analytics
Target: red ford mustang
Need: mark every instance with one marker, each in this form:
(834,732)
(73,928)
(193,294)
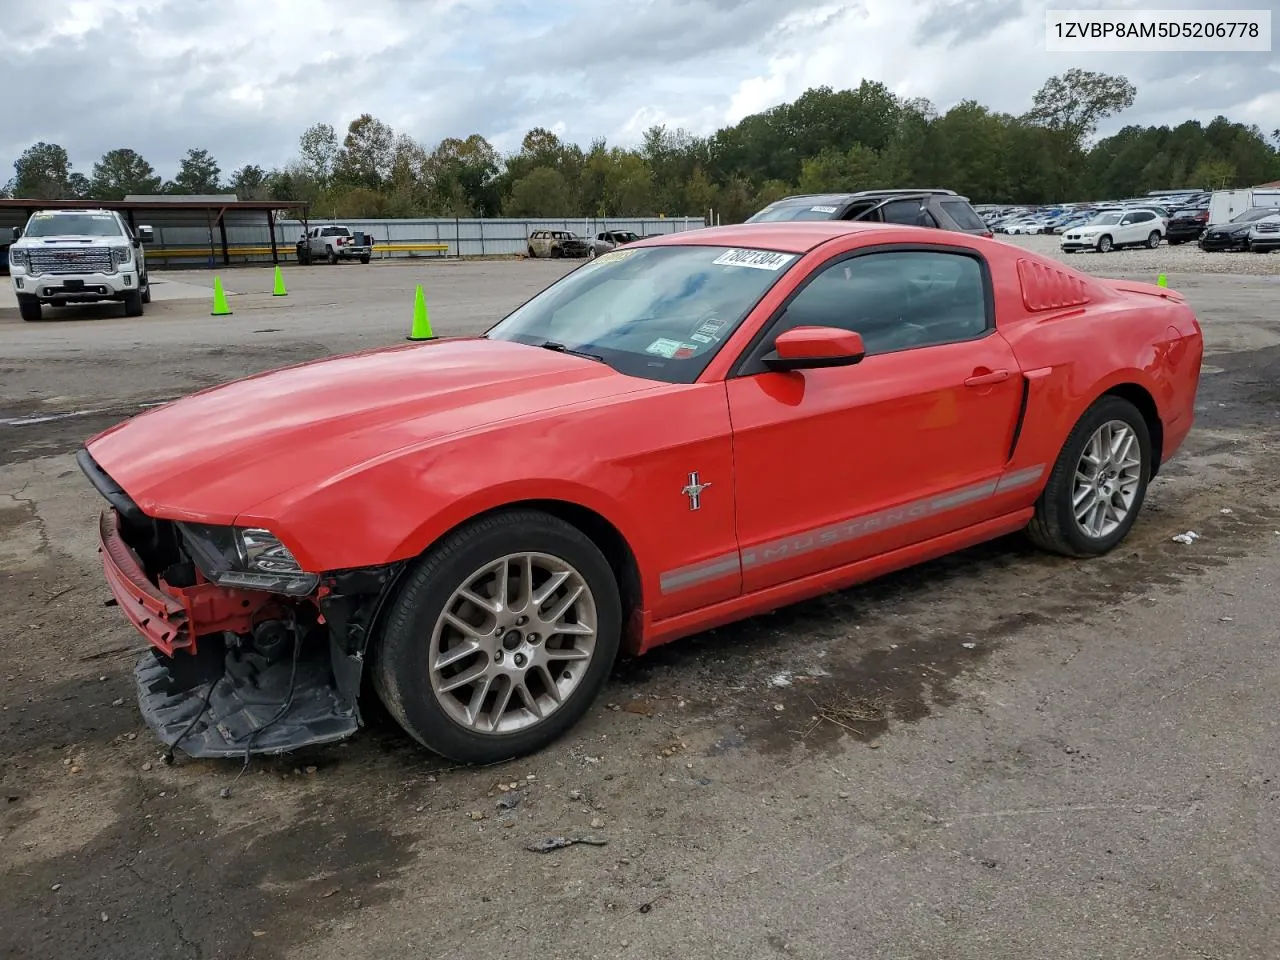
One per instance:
(677,435)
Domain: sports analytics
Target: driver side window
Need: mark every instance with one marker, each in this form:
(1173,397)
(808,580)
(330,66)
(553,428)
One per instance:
(895,300)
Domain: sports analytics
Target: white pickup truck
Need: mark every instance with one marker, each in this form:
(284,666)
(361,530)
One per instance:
(333,242)
(78,256)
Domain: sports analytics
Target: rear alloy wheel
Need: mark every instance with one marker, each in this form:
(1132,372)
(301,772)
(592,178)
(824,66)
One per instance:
(500,638)
(1098,484)
(146,289)
(1153,241)
(1104,243)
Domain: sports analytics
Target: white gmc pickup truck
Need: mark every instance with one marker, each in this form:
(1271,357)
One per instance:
(78,256)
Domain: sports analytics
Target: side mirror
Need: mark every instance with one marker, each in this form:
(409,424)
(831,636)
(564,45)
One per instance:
(807,348)
(17,233)
(145,235)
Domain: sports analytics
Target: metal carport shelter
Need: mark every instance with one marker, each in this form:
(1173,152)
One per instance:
(210,211)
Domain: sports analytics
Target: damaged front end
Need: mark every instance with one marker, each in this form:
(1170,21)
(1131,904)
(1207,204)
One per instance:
(249,653)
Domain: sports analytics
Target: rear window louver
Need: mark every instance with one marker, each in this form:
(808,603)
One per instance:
(1046,288)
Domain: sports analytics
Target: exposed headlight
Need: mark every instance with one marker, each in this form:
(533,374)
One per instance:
(249,558)
(121,255)
(19,258)
(1239,231)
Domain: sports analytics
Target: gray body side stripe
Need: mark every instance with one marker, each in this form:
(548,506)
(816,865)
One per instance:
(700,572)
(801,543)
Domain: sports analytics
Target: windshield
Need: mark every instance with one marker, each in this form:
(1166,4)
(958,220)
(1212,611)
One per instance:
(1105,219)
(655,312)
(1257,213)
(73,225)
(795,211)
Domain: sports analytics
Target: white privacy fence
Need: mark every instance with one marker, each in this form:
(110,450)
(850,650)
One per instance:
(248,239)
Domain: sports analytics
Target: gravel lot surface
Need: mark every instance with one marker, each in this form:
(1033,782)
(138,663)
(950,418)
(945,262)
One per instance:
(996,755)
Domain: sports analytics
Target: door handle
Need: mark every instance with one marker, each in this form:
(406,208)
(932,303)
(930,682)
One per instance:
(983,379)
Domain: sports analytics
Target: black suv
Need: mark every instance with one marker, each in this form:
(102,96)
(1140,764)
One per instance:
(1188,222)
(943,209)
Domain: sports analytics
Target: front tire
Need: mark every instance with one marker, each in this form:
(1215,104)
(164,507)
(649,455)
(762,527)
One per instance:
(133,303)
(1098,484)
(499,638)
(29,309)
(1104,243)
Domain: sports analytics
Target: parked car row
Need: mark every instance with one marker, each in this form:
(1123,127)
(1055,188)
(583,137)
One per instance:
(1257,229)
(1060,218)
(566,243)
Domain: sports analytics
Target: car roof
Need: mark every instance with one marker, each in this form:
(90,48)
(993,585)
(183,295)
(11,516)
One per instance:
(845,197)
(793,236)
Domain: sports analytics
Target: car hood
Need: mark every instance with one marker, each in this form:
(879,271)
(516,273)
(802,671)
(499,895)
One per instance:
(76,238)
(213,455)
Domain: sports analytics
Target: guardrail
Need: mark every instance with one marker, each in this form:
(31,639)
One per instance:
(284,253)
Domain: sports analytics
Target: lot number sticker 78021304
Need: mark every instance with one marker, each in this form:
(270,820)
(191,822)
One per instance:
(757,259)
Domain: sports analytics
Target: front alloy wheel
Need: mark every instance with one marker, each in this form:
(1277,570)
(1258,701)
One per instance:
(499,637)
(512,643)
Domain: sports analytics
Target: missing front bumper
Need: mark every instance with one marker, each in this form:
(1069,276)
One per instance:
(244,691)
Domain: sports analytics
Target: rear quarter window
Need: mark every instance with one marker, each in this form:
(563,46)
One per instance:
(963,215)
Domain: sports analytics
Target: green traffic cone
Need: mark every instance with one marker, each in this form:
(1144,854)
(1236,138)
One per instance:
(220,308)
(1162,281)
(279,290)
(421,319)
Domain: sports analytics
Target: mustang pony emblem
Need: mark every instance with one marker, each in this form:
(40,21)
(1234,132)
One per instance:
(693,490)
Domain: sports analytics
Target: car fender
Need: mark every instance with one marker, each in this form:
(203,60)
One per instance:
(625,460)
(527,491)
(1061,385)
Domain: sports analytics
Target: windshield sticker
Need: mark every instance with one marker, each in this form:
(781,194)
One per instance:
(756,259)
(823,209)
(684,352)
(664,347)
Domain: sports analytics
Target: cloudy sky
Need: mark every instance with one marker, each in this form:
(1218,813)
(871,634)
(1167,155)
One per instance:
(243,78)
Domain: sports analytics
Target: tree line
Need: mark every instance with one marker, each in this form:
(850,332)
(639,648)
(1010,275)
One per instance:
(824,140)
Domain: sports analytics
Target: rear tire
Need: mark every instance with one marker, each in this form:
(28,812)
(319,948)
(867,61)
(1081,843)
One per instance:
(405,669)
(364,259)
(146,289)
(29,309)
(333,257)
(1056,526)
(1153,240)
